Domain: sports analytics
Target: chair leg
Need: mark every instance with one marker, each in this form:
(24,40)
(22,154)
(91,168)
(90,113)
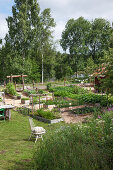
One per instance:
(30,136)
(36,138)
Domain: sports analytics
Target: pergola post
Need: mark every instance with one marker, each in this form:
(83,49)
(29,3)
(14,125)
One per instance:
(23,81)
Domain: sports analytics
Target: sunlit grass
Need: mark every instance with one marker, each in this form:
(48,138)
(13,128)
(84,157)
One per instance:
(16,151)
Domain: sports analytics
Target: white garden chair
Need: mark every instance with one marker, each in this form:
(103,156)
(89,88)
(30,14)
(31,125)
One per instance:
(36,130)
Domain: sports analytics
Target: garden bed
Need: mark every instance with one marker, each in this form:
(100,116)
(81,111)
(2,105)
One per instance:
(13,97)
(47,120)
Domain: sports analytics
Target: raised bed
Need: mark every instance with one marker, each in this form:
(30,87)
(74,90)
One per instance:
(13,97)
(47,120)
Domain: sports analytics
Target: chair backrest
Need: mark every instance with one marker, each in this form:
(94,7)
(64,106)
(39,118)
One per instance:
(31,123)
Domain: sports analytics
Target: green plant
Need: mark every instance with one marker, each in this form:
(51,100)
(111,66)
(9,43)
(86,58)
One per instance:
(25,98)
(11,89)
(40,91)
(86,109)
(47,114)
(48,86)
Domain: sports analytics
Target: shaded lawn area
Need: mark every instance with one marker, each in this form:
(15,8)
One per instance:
(16,151)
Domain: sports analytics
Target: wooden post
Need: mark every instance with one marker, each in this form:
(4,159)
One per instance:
(11,79)
(32,105)
(33,84)
(36,89)
(4,84)
(23,81)
(39,101)
(15,85)
(64,81)
(4,98)
(53,96)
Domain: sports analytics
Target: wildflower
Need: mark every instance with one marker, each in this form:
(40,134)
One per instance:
(109,109)
(99,117)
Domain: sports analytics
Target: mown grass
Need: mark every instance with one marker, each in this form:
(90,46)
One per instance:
(16,152)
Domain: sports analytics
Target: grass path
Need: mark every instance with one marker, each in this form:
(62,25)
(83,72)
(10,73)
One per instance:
(15,150)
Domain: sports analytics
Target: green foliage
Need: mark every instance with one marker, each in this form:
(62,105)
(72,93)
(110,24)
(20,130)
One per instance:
(10,88)
(90,66)
(83,96)
(40,91)
(85,110)
(107,82)
(48,114)
(24,98)
(35,100)
(30,91)
(29,36)
(48,86)
(82,146)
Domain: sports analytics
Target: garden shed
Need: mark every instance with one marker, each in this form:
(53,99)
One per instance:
(98,76)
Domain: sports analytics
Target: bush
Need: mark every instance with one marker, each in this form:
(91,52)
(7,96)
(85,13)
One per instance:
(10,88)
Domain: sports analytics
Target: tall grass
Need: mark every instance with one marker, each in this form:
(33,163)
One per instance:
(77,147)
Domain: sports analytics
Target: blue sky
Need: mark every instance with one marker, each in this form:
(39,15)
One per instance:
(5,6)
(62,11)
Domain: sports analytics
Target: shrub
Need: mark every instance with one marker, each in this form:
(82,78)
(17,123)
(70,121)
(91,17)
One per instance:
(11,89)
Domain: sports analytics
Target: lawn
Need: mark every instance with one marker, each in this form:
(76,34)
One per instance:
(16,152)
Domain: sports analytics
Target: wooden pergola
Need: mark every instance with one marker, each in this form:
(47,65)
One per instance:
(17,76)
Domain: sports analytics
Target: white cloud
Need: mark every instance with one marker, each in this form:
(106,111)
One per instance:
(3,26)
(63,10)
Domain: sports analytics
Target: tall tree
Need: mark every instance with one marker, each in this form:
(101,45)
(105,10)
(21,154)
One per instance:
(84,39)
(75,39)
(99,38)
(29,31)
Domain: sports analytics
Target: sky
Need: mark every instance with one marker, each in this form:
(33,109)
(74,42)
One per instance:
(62,11)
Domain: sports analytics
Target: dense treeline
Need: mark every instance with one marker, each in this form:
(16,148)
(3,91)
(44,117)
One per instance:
(30,40)
(29,37)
